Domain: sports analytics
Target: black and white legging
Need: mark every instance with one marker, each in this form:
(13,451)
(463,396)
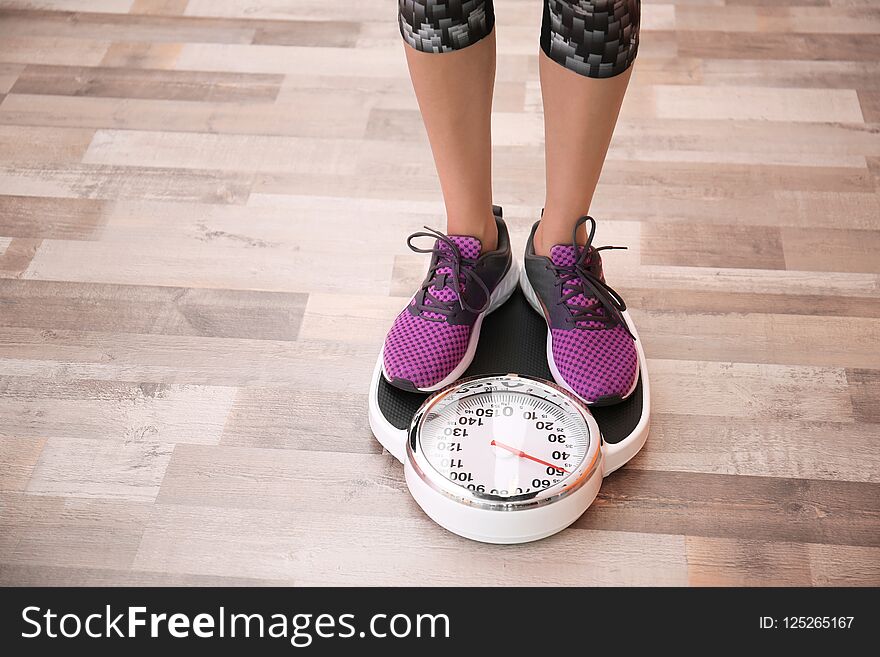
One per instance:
(596,38)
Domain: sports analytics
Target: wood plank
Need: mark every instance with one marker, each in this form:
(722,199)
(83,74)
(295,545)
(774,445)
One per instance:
(158,7)
(222,263)
(324,34)
(8,75)
(694,245)
(29,145)
(836,565)
(864,388)
(141,54)
(768,46)
(870,103)
(776,19)
(136,26)
(285,418)
(330,115)
(122,182)
(104,82)
(750,390)
(130,470)
(832,249)
(761,338)
(221,152)
(119,413)
(743,562)
(17,255)
(332,316)
(266,223)
(18,456)
(60,218)
(761,281)
(727,506)
(748,103)
(420,188)
(108,6)
(282,10)
(717,180)
(70,532)
(286,480)
(831,74)
(23,575)
(259,543)
(78,355)
(762,447)
(152,310)
(802,208)
(874,168)
(289,59)
(51,50)
(701,301)
(838,137)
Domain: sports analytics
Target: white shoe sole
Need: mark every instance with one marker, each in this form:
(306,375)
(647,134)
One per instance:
(499,295)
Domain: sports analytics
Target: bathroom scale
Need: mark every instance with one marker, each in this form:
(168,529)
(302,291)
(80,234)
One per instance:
(505,455)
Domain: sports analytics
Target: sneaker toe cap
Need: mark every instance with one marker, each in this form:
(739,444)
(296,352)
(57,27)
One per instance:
(419,353)
(600,366)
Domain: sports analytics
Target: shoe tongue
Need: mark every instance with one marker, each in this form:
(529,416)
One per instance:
(469,247)
(564,255)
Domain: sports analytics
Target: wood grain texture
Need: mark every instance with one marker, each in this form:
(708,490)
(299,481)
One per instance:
(333,115)
(152,310)
(124,415)
(762,508)
(304,548)
(113,182)
(288,418)
(103,82)
(18,455)
(8,75)
(63,218)
(839,451)
(750,247)
(203,206)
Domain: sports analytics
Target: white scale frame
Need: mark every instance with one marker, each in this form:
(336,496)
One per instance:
(471,516)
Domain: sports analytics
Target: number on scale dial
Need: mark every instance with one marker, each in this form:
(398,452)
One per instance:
(505,443)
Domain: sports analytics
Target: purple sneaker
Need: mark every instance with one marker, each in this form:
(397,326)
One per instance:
(590,349)
(433,340)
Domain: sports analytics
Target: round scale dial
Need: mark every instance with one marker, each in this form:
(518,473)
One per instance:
(507,438)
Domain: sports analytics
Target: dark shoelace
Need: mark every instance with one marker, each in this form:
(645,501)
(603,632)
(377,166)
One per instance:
(448,259)
(577,280)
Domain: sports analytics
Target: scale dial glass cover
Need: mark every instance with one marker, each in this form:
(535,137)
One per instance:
(505,439)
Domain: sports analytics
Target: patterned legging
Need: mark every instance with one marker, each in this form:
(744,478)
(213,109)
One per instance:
(596,38)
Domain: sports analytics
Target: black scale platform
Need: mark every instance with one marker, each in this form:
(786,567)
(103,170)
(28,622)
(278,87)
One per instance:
(513,339)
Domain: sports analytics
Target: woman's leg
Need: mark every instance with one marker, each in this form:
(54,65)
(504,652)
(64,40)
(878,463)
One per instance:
(587,48)
(451,55)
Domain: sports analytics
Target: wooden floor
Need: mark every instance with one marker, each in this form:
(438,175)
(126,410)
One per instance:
(203,207)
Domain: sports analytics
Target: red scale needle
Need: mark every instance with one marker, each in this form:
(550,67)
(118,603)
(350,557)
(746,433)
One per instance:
(519,452)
